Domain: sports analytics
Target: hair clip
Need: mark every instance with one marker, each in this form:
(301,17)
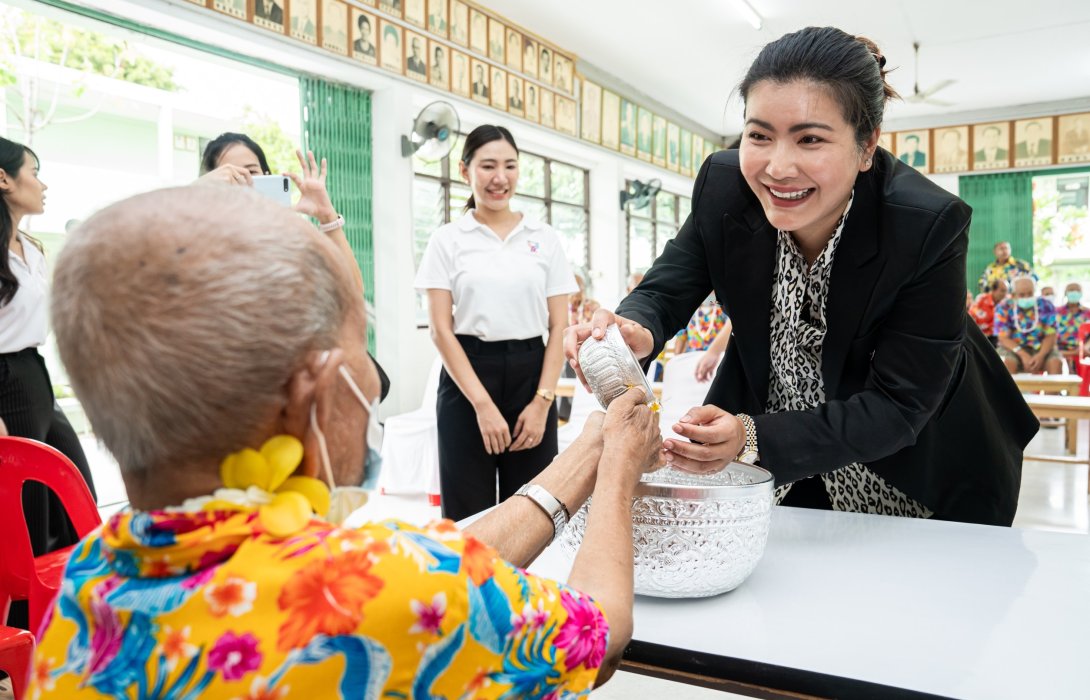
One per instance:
(881,60)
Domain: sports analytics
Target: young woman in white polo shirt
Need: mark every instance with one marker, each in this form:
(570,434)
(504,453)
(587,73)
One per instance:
(27,406)
(497,282)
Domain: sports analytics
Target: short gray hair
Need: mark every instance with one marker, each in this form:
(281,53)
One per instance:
(181,316)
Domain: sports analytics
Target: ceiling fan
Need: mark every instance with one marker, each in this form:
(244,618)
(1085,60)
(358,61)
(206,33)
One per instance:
(925,96)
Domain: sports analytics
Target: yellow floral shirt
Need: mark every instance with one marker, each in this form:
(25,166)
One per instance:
(158,605)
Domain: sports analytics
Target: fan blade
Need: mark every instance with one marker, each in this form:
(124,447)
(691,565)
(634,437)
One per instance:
(941,85)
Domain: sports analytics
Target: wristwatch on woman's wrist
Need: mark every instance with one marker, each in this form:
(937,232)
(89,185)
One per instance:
(749,454)
(546,394)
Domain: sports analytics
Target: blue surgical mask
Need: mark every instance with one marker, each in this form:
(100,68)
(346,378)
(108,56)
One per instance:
(1026,302)
(344,500)
(1074,297)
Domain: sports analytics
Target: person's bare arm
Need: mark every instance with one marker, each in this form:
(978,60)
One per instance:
(494,429)
(705,368)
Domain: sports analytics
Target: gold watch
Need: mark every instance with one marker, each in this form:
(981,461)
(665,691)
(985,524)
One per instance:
(546,394)
(749,454)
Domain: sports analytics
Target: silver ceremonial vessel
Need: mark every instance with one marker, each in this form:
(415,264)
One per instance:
(611,369)
(693,535)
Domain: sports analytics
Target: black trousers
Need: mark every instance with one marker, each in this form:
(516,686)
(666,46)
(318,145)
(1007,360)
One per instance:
(510,371)
(29,410)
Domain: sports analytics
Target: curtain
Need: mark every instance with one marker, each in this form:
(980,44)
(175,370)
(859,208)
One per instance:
(1002,211)
(336,121)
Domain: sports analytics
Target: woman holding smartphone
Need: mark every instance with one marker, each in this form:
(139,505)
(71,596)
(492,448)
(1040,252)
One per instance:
(497,281)
(27,406)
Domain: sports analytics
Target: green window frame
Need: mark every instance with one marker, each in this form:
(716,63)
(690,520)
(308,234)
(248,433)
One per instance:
(650,227)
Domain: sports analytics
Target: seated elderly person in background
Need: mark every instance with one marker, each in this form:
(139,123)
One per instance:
(983,308)
(1026,326)
(1069,317)
(216,341)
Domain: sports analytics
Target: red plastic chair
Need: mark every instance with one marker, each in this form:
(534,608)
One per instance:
(22,576)
(1083,366)
(16,657)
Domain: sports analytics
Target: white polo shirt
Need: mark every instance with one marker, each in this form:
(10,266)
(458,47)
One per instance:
(500,287)
(24,321)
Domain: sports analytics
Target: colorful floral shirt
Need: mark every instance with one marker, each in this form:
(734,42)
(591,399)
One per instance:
(1008,271)
(703,327)
(1027,327)
(983,312)
(1068,320)
(158,605)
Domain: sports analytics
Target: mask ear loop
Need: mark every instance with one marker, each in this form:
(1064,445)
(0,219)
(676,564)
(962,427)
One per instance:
(356,390)
(323,450)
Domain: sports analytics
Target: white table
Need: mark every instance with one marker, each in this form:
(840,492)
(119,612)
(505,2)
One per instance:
(842,601)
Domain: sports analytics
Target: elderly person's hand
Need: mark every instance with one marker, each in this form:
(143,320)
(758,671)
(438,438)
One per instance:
(227,174)
(716,438)
(311,184)
(637,338)
(633,441)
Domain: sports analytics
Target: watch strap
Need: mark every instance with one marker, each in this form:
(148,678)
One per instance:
(553,507)
(749,453)
(546,394)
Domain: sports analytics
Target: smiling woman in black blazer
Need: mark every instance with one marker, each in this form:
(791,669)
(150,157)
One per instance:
(854,374)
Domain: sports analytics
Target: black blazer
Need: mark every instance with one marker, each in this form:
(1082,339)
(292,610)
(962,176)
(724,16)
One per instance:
(913,388)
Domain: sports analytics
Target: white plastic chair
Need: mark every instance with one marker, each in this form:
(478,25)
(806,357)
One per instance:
(583,404)
(680,390)
(410,445)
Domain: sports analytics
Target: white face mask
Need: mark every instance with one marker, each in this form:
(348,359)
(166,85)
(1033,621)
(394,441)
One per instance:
(344,500)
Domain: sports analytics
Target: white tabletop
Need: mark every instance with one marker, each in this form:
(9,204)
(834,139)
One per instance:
(965,611)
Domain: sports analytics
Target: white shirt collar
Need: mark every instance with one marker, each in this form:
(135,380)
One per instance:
(468,223)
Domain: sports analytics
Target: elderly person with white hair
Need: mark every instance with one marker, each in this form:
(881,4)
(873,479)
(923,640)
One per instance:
(217,344)
(1026,326)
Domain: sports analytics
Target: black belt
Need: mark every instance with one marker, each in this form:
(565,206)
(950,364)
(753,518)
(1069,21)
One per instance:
(473,344)
(25,352)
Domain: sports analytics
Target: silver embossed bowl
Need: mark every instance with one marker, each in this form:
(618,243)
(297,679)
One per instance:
(693,535)
(611,369)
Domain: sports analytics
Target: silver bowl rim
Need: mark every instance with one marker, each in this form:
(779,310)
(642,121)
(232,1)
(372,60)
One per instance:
(630,365)
(763,484)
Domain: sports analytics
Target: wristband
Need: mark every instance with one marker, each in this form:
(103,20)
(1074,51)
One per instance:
(553,507)
(332,225)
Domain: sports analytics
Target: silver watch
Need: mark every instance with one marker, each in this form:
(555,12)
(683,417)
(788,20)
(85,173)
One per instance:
(749,454)
(556,510)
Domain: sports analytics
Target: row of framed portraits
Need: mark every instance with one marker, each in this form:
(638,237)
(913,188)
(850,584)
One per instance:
(503,67)
(1022,143)
(619,124)
(337,25)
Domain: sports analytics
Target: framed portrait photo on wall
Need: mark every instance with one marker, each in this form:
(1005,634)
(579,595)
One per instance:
(548,109)
(335,26)
(913,148)
(269,14)
(611,120)
(591,122)
(363,37)
(951,149)
(438,22)
(1033,140)
(304,20)
(991,146)
(1074,131)
(416,62)
(685,152)
(390,50)
(481,89)
(459,23)
(643,133)
(439,65)
(460,82)
(533,102)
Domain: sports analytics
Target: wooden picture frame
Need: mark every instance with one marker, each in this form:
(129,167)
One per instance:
(480,88)
(391,50)
(364,37)
(499,88)
(233,8)
(590,123)
(566,116)
(685,152)
(390,7)
(478,32)
(673,138)
(564,74)
(438,18)
(533,102)
(529,57)
(416,13)
(416,56)
(516,102)
(269,14)
(658,141)
(497,39)
(303,22)
(334,26)
(1034,141)
(459,23)
(461,77)
(914,148)
(991,146)
(439,65)
(628,127)
(643,133)
(951,149)
(611,120)
(1073,138)
(548,108)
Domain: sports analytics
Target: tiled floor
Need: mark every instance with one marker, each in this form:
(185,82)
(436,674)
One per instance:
(1053,497)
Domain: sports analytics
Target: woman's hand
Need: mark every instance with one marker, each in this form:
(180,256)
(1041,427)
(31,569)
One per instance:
(633,441)
(705,367)
(493,428)
(227,174)
(311,184)
(637,338)
(720,434)
(530,425)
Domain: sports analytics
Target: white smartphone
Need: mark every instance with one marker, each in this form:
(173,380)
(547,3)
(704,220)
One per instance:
(275,187)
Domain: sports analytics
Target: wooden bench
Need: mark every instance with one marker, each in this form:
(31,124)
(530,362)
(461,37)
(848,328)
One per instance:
(1072,408)
(1048,383)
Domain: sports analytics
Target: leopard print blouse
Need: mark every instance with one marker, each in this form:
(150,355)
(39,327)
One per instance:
(795,382)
